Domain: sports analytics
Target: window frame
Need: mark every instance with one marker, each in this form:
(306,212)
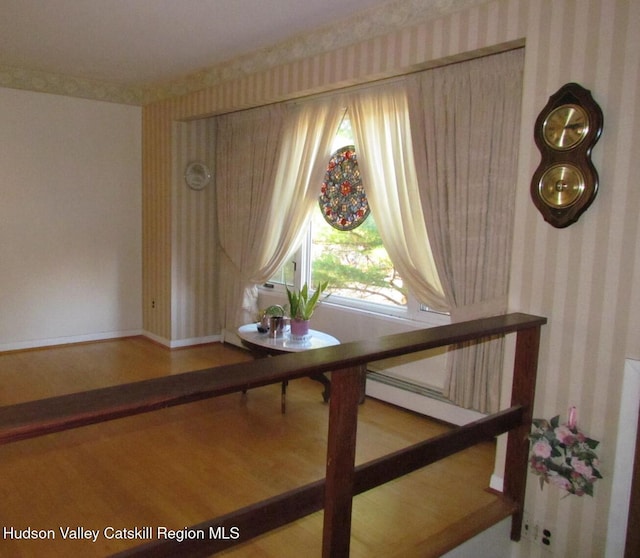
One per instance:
(413,311)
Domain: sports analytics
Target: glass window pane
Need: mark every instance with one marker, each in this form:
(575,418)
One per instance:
(285,275)
(355,263)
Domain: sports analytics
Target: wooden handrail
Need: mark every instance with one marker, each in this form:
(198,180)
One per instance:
(275,512)
(347,361)
(54,414)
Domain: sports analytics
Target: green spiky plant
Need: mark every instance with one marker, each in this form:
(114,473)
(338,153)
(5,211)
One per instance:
(301,304)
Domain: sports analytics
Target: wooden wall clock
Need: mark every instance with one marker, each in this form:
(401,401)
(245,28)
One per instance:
(566,182)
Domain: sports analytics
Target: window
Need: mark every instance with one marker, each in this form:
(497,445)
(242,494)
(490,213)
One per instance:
(355,263)
(351,258)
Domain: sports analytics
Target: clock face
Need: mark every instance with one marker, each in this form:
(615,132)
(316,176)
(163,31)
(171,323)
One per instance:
(561,185)
(565,127)
(565,183)
(197,175)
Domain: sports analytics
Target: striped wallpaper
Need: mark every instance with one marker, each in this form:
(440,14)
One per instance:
(582,278)
(193,278)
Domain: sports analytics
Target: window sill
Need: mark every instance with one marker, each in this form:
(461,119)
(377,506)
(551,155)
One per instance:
(343,321)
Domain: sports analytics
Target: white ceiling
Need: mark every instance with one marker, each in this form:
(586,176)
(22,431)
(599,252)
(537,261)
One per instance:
(146,41)
(138,42)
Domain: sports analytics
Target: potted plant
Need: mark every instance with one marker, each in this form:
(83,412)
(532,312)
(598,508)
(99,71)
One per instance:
(301,307)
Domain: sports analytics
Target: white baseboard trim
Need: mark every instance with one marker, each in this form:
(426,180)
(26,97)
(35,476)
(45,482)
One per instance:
(157,339)
(179,343)
(496,483)
(52,342)
(55,341)
(195,341)
(428,406)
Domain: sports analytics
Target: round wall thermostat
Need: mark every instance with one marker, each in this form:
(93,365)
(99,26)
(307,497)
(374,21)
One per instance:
(197,175)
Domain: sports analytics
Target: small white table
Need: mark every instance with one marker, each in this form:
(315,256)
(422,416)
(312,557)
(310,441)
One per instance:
(264,344)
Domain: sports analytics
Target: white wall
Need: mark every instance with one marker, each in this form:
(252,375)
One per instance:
(70,219)
(488,544)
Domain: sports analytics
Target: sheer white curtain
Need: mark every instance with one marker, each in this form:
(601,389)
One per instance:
(267,163)
(309,130)
(466,120)
(380,121)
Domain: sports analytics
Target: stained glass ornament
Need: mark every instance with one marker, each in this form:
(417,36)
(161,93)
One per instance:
(342,200)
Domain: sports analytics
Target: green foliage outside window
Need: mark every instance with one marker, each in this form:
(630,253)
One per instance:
(355,264)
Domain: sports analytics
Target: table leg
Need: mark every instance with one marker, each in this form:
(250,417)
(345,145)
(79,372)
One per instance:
(326,394)
(283,403)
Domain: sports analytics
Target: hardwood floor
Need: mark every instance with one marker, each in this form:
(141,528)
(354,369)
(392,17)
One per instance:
(183,465)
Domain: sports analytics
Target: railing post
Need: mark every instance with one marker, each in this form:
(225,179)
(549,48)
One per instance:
(522,393)
(346,387)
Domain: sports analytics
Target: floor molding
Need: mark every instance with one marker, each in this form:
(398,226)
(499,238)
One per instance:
(55,341)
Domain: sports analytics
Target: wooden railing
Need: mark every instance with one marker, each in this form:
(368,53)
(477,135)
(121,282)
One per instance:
(343,480)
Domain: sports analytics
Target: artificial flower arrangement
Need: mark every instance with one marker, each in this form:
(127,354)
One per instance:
(563,456)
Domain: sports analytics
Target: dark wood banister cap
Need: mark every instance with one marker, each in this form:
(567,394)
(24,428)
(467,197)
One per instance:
(55,414)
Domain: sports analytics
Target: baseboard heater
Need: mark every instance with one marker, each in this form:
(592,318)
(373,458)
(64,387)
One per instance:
(406,385)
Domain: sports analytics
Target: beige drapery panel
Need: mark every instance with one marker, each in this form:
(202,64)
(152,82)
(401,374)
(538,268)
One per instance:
(380,121)
(268,161)
(466,119)
(246,153)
